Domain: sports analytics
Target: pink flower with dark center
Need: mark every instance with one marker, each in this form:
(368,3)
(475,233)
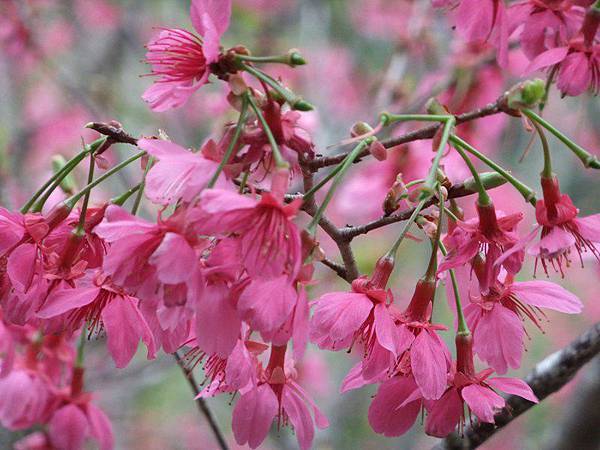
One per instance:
(496,319)
(477,390)
(270,241)
(276,395)
(181,60)
(103,306)
(490,235)
(177,174)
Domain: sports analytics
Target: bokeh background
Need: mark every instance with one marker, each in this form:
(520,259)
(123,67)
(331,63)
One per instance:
(64,63)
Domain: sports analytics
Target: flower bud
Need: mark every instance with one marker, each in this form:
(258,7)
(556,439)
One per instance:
(394,195)
(360,128)
(378,151)
(489,180)
(67,184)
(526,94)
(237,84)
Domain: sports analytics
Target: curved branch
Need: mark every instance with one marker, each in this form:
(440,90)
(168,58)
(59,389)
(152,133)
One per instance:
(548,376)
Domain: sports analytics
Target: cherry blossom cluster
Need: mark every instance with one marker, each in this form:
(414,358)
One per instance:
(222,273)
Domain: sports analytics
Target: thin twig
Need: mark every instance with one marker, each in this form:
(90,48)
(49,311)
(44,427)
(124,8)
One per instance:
(548,376)
(202,405)
(423,133)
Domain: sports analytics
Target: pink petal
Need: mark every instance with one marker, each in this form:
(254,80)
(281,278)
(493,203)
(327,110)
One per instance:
(476,18)
(320,420)
(163,96)
(545,294)
(557,240)
(217,323)
(174,259)
(337,316)
(300,324)
(299,416)
(482,401)
(119,224)
(498,338)
(218,11)
(11,229)
(354,379)
(21,266)
(101,428)
(267,303)
(428,362)
(460,257)
(575,74)
(385,414)
(125,326)
(239,371)
(68,428)
(386,329)
(589,227)
(513,386)
(215,201)
(253,414)
(444,414)
(546,59)
(63,300)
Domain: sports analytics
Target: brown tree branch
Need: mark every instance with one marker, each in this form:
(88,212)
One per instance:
(548,376)
(423,133)
(202,405)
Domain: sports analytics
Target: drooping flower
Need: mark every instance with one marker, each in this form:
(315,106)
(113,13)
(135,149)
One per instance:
(105,306)
(477,390)
(181,60)
(276,395)
(562,231)
(496,319)
(342,318)
(491,234)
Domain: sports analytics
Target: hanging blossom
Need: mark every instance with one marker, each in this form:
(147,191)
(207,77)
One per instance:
(562,231)
(490,234)
(496,318)
(182,61)
(477,390)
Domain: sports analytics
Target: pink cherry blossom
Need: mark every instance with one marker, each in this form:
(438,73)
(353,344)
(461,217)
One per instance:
(270,241)
(492,234)
(477,390)
(103,305)
(181,60)
(496,319)
(178,173)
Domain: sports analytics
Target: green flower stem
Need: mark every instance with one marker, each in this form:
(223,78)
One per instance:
(343,168)
(72,201)
(279,161)
(81,347)
(388,118)
(292,99)
(292,59)
(392,251)
(586,158)
(483,198)
(323,182)
(86,198)
(121,199)
(57,178)
(527,193)
(547,170)
(429,185)
(462,323)
(432,267)
(236,136)
(244,181)
(141,187)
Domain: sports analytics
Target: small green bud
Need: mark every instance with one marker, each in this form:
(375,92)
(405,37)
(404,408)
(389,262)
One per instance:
(526,94)
(433,106)
(489,180)
(302,105)
(295,58)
